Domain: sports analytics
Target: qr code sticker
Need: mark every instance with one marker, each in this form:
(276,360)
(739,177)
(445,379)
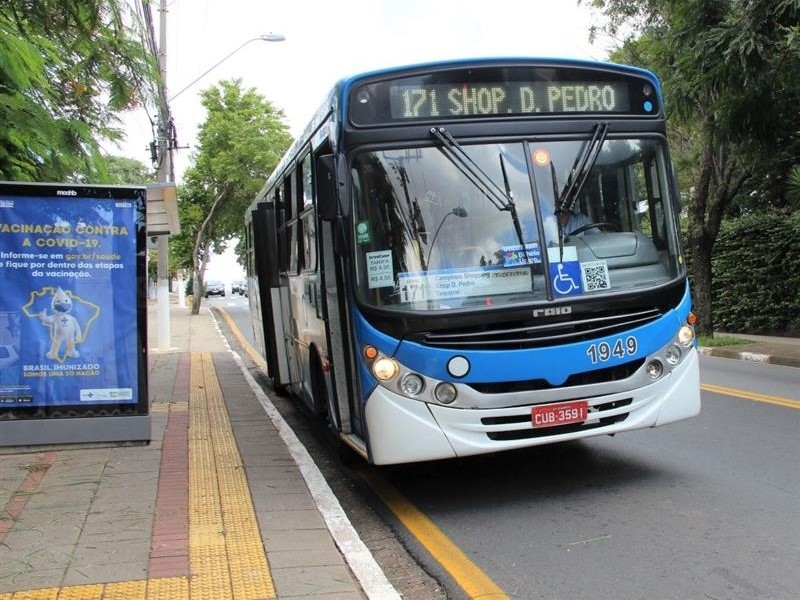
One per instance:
(595,276)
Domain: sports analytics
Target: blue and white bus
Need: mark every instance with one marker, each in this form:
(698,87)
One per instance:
(475,256)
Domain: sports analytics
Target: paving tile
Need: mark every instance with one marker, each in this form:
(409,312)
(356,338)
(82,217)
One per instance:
(280,501)
(276,540)
(110,553)
(83,573)
(32,579)
(324,580)
(31,559)
(315,557)
(293,520)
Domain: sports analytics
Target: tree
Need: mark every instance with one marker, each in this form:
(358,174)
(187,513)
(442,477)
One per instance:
(239,144)
(729,71)
(123,170)
(67,69)
(793,185)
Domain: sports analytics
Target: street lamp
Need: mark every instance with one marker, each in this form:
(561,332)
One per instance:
(264,37)
(458,211)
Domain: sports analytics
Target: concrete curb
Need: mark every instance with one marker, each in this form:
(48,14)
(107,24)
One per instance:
(758,357)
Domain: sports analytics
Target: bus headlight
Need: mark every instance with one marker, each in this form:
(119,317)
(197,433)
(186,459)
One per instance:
(655,369)
(412,384)
(445,393)
(686,335)
(673,354)
(384,368)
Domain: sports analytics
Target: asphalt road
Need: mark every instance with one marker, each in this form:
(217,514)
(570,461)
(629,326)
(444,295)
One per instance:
(705,508)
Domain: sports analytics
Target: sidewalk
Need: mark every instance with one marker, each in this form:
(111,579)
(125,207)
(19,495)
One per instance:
(224,503)
(764,349)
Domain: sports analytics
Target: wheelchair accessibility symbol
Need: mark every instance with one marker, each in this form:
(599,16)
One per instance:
(566,278)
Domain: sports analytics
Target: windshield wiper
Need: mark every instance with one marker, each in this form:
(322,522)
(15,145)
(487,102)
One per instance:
(456,154)
(513,208)
(503,200)
(583,165)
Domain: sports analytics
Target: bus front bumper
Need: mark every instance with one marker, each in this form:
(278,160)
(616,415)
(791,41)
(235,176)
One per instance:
(403,430)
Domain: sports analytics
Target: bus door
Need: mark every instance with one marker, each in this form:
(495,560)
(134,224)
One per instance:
(290,285)
(266,262)
(332,256)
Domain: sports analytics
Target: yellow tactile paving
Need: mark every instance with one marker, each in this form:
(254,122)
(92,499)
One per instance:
(126,590)
(221,507)
(226,556)
(167,588)
(82,592)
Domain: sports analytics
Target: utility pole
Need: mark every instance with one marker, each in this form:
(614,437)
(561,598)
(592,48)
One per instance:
(165,175)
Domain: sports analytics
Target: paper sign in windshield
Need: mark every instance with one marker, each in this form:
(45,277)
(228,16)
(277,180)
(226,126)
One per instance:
(380,272)
(515,255)
(463,283)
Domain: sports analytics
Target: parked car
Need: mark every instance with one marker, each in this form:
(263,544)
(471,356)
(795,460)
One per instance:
(215,288)
(239,287)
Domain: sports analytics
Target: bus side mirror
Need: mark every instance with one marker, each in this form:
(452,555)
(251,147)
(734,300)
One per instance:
(326,187)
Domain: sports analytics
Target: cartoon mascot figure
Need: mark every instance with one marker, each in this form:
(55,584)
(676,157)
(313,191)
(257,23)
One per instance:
(64,328)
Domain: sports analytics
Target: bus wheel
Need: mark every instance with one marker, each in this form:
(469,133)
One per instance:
(347,456)
(318,389)
(279,389)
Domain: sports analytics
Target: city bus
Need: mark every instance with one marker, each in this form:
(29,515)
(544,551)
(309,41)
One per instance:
(477,256)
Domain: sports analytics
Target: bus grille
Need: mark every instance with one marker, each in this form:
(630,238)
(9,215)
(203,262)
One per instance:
(615,373)
(527,432)
(519,335)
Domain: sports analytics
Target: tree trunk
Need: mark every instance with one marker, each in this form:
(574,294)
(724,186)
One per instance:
(197,298)
(202,247)
(719,181)
(701,279)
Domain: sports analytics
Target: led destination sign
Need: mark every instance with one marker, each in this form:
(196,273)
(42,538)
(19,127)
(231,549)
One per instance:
(498,91)
(506,98)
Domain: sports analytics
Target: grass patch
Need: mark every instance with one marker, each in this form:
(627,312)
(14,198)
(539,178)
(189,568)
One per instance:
(727,340)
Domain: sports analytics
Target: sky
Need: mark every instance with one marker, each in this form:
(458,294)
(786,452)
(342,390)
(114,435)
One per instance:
(326,41)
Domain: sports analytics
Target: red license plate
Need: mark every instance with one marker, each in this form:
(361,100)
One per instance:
(562,413)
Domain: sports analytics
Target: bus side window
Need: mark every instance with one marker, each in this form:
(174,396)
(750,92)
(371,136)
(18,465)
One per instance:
(295,235)
(283,233)
(309,242)
(325,191)
(306,182)
(307,217)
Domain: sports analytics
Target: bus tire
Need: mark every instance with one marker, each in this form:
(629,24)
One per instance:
(280,390)
(319,390)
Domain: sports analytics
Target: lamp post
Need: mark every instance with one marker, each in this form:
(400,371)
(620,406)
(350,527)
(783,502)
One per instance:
(458,211)
(264,37)
(165,168)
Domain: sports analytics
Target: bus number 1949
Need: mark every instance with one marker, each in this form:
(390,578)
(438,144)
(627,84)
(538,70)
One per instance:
(603,351)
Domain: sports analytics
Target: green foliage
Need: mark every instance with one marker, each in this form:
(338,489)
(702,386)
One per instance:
(724,340)
(123,170)
(756,268)
(793,186)
(729,72)
(240,143)
(67,69)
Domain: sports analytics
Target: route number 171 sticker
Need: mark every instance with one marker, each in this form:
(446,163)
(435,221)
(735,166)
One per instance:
(620,348)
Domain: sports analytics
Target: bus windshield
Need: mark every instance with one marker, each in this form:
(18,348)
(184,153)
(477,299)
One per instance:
(434,230)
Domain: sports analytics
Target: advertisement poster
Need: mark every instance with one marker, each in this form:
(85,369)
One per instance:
(72,318)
